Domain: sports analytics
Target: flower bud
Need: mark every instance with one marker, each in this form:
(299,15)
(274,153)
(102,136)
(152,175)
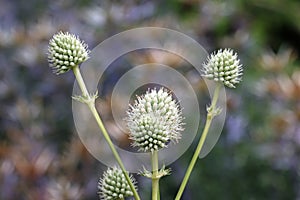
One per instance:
(223,66)
(66,51)
(154,120)
(113,185)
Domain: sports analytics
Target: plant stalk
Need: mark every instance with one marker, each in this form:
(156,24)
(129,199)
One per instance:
(155,176)
(92,107)
(209,118)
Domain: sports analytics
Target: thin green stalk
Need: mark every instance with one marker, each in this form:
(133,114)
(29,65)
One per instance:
(209,118)
(155,177)
(91,104)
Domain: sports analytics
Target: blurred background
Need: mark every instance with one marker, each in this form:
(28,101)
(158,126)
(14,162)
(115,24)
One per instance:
(258,154)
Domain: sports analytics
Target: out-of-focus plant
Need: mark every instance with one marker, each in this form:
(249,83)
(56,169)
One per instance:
(282,88)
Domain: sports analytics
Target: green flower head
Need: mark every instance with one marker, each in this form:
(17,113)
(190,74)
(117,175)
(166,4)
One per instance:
(223,66)
(154,120)
(113,185)
(66,51)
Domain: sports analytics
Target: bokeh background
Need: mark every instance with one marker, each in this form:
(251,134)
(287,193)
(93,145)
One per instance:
(258,154)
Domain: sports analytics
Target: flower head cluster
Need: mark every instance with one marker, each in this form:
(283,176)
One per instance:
(66,51)
(154,120)
(114,185)
(223,66)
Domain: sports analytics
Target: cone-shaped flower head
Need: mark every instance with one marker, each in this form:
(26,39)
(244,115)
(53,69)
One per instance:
(66,51)
(113,185)
(223,66)
(154,120)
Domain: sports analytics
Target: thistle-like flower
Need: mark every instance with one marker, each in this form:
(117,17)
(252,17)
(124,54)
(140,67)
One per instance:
(113,185)
(154,120)
(66,51)
(223,66)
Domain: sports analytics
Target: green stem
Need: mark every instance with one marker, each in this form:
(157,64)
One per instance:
(155,177)
(209,118)
(92,107)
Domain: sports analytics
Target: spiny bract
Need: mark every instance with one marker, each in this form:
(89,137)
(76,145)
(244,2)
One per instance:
(223,66)
(66,51)
(113,185)
(154,120)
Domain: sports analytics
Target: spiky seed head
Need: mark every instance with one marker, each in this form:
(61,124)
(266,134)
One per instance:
(65,51)
(154,120)
(223,66)
(113,185)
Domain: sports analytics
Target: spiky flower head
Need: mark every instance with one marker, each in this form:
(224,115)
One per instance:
(113,185)
(65,51)
(223,66)
(154,120)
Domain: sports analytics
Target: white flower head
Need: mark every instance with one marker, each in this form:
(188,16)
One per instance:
(113,185)
(154,120)
(66,51)
(223,66)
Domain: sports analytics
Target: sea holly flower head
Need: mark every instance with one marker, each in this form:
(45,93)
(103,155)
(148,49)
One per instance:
(154,120)
(66,51)
(113,185)
(223,66)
